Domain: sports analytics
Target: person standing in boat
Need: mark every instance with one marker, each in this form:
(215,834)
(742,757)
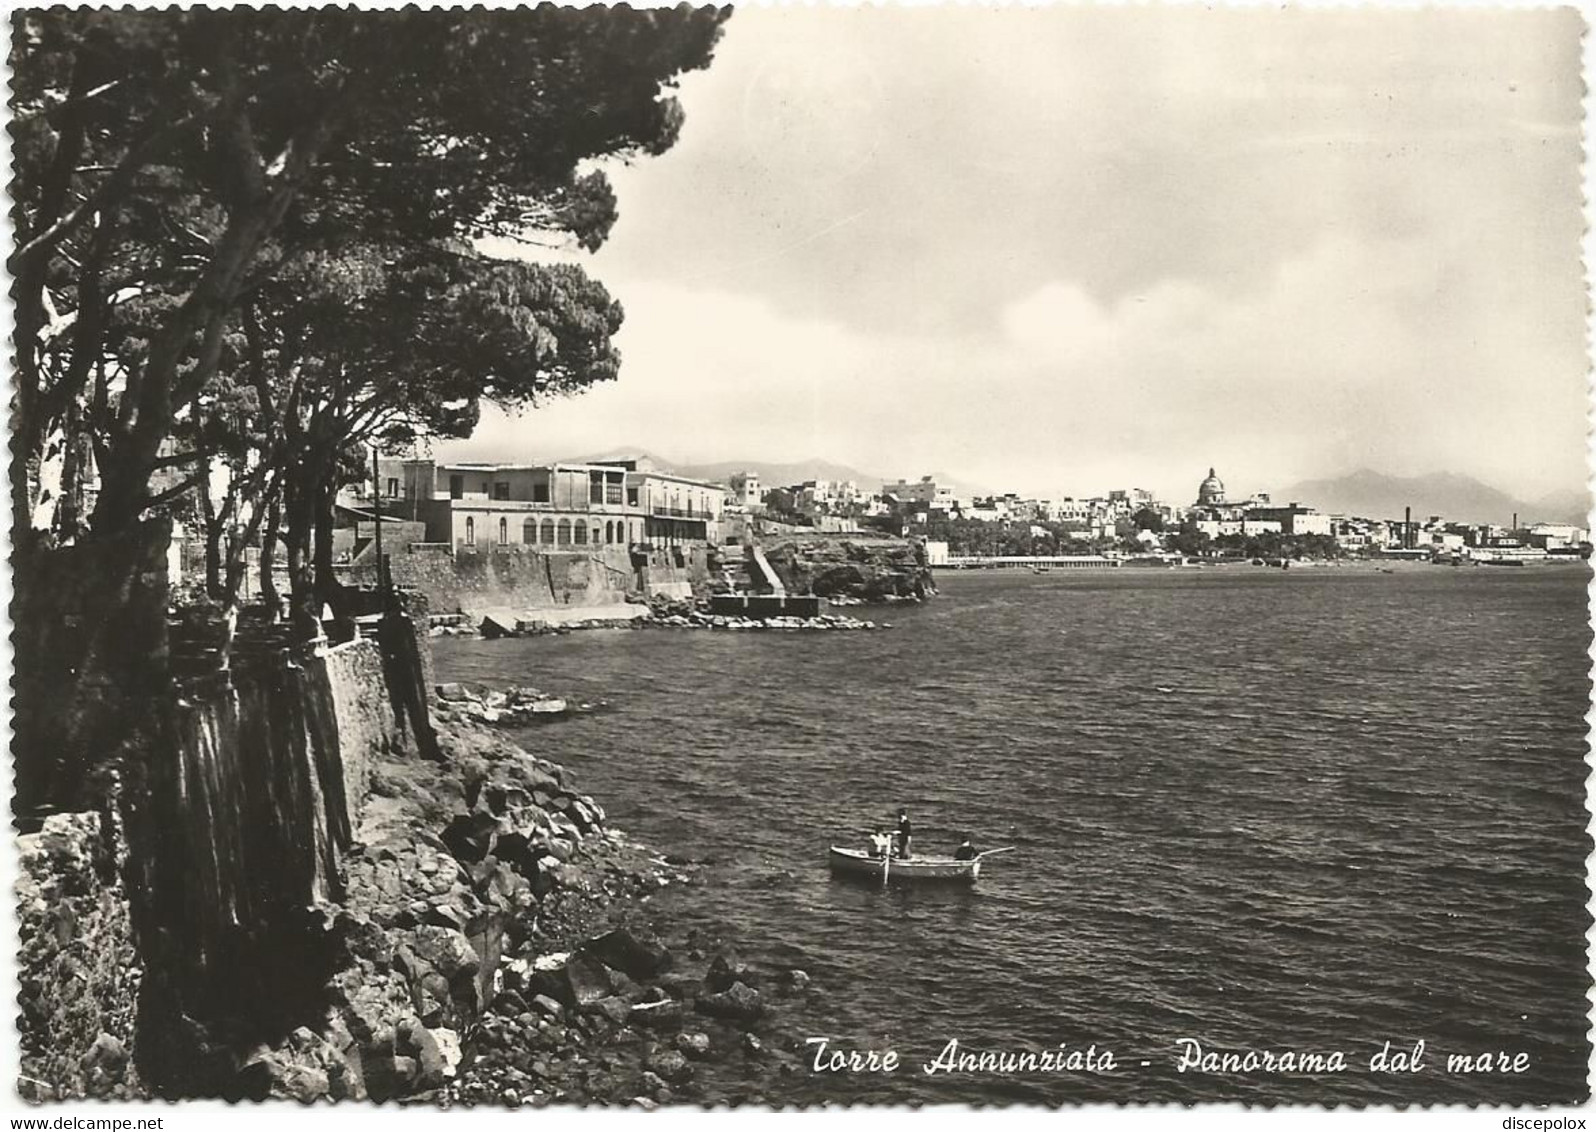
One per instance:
(905,832)
(880,842)
(966,850)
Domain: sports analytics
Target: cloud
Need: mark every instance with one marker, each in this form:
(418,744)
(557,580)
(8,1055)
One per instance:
(1067,248)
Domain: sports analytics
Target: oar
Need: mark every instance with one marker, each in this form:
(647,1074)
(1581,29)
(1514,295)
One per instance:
(994,852)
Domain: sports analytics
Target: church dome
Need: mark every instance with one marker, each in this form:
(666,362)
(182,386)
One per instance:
(1212,489)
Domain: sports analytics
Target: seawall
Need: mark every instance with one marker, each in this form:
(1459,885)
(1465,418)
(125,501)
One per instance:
(516,577)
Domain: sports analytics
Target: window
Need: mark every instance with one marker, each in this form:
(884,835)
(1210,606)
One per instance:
(456,487)
(548,532)
(501,490)
(564,532)
(471,531)
(581,534)
(529,532)
(540,491)
(631,497)
(597,534)
(609,534)
(393,487)
(595,487)
(504,532)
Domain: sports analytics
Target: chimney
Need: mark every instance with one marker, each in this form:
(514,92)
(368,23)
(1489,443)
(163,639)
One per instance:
(1407,528)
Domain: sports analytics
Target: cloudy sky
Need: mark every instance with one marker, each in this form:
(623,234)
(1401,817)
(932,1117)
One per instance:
(1060,250)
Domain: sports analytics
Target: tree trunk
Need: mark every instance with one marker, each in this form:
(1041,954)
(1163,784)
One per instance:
(304,610)
(268,556)
(328,588)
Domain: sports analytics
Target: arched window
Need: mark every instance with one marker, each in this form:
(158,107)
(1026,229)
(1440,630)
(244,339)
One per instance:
(471,531)
(548,532)
(581,533)
(504,532)
(529,532)
(609,533)
(564,532)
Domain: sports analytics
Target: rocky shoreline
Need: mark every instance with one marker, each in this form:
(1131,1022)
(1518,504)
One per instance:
(493,943)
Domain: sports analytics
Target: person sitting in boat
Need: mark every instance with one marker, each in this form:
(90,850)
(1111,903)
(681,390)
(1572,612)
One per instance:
(880,842)
(966,850)
(905,832)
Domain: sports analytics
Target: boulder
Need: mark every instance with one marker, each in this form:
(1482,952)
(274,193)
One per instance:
(447,950)
(613,1007)
(658,1016)
(493,627)
(637,954)
(738,1003)
(726,969)
(549,1006)
(388,1075)
(470,836)
(670,1066)
(576,980)
(693,1045)
(455,694)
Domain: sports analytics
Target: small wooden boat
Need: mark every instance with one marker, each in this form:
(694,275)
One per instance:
(892,870)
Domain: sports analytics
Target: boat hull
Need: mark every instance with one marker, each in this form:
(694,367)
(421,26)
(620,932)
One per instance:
(916,870)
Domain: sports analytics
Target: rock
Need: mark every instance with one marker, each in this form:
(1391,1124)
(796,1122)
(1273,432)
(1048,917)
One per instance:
(680,984)
(447,950)
(738,1002)
(658,1016)
(107,1054)
(636,954)
(549,1006)
(693,1045)
(455,694)
(577,980)
(301,1083)
(797,979)
(724,970)
(670,1066)
(613,1007)
(493,627)
(437,1054)
(388,1076)
(753,1046)
(470,836)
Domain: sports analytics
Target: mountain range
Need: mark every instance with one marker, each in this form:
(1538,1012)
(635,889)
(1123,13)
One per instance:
(1462,498)
(771,473)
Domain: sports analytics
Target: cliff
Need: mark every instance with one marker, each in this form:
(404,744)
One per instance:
(873,570)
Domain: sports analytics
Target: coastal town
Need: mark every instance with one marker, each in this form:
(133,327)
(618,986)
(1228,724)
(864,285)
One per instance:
(633,526)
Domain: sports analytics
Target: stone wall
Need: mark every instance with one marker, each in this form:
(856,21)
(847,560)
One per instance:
(522,578)
(238,818)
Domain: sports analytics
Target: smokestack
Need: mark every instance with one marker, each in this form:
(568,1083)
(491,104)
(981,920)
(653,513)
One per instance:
(1515,521)
(1407,528)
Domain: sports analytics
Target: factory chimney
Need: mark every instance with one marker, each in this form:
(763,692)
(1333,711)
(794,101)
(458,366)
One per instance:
(1407,528)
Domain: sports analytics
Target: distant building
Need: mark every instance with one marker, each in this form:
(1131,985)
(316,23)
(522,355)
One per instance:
(745,487)
(925,491)
(1295,519)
